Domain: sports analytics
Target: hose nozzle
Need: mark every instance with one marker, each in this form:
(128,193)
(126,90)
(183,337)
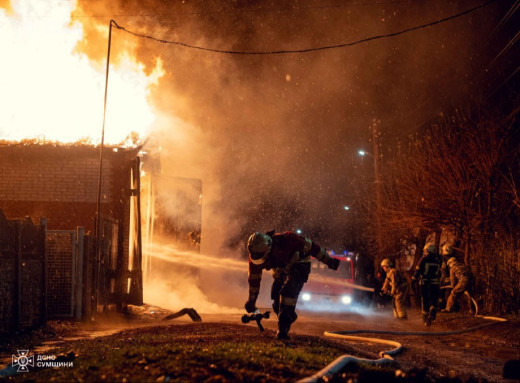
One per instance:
(256,316)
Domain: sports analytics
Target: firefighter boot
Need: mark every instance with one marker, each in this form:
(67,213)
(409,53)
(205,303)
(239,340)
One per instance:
(283,332)
(285,319)
(284,325)
(432,314)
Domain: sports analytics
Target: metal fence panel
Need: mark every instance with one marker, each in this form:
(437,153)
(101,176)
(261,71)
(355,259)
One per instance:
(61,254)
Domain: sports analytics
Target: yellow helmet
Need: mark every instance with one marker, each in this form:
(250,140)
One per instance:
(447,249)
(451,261)
(429,248)
(386,262)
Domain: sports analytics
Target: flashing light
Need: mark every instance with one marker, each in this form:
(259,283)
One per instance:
(361,152)
(298,231)
(346,299)
(346,207)
(306,297)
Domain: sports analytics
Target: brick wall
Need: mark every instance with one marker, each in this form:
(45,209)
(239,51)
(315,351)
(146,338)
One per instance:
(73,181)
(61,183)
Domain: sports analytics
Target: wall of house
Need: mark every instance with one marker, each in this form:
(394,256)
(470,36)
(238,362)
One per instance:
(61,183)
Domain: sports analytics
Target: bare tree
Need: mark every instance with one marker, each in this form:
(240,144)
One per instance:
(462,174)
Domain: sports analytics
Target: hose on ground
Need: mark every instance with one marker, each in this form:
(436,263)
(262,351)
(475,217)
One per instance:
(386,357)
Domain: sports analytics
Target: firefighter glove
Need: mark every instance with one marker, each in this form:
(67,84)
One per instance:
(250,306)
(333,263)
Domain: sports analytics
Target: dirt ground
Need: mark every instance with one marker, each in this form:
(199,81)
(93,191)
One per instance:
(478,354)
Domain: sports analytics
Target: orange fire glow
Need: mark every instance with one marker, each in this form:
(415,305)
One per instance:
(49,92)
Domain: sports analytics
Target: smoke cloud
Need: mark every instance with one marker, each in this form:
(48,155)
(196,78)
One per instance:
(274,137)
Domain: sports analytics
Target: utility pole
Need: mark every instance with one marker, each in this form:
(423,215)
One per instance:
(378,184)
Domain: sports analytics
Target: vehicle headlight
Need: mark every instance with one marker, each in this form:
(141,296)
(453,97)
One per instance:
(306,296)
(346,299)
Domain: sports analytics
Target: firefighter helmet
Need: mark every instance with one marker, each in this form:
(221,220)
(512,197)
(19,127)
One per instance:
(386,262)
(258,246)
(429,248)
(451,261)
(447,249)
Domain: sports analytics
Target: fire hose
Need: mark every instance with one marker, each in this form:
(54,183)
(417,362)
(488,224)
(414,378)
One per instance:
(385,357)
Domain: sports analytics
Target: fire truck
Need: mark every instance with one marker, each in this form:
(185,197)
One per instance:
(327,286)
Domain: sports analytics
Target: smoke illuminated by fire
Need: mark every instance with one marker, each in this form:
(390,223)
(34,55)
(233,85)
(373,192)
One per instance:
(175,279)
(51,92)
(273,139)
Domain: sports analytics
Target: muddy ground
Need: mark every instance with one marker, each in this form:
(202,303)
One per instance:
(479,354)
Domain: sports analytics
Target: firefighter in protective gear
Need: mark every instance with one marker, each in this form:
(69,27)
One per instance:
(459,280)
(288,255)
(397,286)
(446,253)
(428,274)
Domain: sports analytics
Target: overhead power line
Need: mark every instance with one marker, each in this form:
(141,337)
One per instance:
(273,52)
(514,8)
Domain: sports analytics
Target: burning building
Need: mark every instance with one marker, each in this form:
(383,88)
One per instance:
(63,185)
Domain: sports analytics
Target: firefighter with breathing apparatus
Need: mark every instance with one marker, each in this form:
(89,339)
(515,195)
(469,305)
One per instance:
(428,275)
(289,256)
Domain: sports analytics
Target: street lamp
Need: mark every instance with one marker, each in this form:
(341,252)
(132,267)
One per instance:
(377,186)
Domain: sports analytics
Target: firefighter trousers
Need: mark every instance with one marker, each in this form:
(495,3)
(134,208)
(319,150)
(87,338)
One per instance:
(429,300)
(285,291)
(399,303)
(453,300)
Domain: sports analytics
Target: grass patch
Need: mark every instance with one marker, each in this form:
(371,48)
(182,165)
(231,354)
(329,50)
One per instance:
(197,352)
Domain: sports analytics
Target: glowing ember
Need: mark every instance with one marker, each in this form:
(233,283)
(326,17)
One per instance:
(50,92)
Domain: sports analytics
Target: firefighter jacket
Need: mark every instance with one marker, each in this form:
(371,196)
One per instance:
(428,270)
(287,249)
(395,282)
(459,274)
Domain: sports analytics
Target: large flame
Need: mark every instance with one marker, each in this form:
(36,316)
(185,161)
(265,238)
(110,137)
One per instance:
(50,92)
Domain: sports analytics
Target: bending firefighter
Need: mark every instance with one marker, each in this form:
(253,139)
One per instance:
(428,273)
(397,286)
(289,256)
(459,280)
